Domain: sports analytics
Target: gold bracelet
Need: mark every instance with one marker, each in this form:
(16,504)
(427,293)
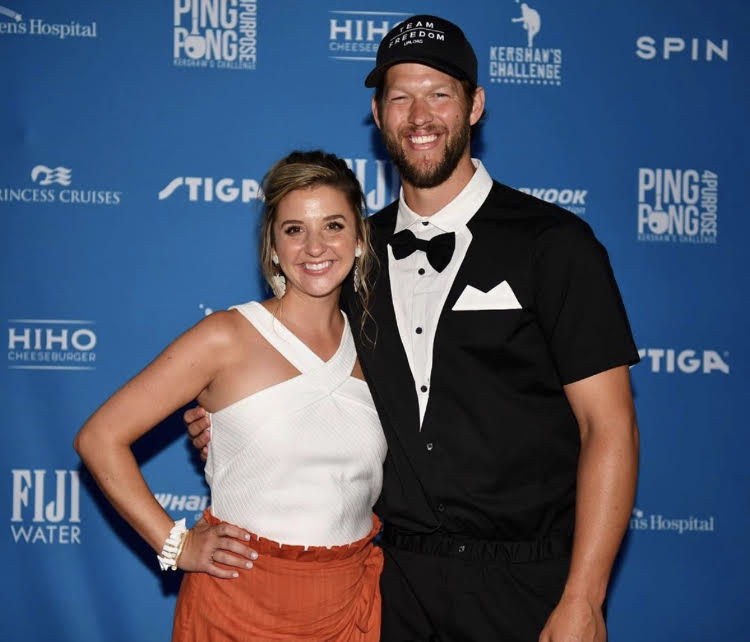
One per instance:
(180,546)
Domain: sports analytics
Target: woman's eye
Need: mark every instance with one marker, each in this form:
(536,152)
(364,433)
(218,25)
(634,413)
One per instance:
(335,226)
(292,229)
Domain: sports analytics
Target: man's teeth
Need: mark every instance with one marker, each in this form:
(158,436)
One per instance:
(420,140)
(316,267)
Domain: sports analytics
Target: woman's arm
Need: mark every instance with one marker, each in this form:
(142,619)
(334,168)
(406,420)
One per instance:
(175,377)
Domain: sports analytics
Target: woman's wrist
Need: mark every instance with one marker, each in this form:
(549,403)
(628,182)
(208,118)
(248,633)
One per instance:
(173,546)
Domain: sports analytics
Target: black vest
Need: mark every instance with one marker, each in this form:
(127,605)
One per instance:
(497,453)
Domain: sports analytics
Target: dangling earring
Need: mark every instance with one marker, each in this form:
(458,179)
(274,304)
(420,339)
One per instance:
(357,276)
(278,280)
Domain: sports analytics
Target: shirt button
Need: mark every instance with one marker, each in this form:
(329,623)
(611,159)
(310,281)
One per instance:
(429,446)
(441,507)
(423,388)
(425,222)
(419,330)
(420,271)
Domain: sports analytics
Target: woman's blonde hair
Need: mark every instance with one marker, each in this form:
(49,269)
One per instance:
(302,170)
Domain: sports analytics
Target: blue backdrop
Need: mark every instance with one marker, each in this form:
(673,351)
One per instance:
(133,138)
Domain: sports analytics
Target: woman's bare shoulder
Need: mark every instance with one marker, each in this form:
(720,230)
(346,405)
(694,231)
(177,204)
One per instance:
(220,326)
(231,330)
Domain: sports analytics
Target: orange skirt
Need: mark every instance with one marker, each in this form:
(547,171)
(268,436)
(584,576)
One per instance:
(330,594)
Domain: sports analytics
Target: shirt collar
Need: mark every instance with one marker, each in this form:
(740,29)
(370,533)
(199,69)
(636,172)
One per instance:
(456,214)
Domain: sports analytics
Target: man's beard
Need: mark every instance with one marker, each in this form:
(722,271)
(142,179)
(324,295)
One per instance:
(426,176)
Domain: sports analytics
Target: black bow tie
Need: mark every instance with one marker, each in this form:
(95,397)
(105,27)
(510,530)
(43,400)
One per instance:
(438,249)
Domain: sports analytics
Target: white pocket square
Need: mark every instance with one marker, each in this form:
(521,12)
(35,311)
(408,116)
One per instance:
(500,297)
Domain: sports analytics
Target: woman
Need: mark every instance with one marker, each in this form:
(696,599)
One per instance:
(296,456)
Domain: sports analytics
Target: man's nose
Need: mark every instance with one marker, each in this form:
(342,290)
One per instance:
(420,113)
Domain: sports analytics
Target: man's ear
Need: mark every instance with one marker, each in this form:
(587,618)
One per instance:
(374,107)
(477,106)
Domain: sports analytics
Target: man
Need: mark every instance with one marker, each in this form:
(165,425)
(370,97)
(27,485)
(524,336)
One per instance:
(500,373)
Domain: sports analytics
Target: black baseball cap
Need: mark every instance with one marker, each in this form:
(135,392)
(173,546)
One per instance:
(430,41)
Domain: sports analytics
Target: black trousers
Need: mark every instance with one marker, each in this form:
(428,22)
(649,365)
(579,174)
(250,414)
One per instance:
(452,589)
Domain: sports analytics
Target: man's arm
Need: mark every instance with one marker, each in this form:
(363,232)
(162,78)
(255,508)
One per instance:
(607,472)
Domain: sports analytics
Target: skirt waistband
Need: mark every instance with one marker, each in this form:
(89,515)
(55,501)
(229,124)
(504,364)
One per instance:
(450,545)
(299,553)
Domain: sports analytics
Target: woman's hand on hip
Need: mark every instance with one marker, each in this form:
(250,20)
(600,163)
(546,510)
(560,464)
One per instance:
(210,549)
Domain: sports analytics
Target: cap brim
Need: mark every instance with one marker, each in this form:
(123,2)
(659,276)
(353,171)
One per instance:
(376,75)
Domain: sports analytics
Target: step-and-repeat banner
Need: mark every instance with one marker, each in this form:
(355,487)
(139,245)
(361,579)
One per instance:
(134,136)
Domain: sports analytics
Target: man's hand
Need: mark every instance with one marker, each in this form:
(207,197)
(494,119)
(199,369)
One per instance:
(575,619)
(206,546)
(199,428)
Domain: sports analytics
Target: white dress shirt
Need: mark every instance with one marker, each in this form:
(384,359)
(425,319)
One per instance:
(418,290)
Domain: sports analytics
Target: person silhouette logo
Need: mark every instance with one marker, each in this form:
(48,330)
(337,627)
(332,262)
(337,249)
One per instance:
(532,22)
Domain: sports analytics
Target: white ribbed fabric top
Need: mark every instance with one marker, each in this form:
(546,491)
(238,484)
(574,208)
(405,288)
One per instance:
(299,462)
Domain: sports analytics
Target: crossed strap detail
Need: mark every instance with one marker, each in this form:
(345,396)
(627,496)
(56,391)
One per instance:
(326,376)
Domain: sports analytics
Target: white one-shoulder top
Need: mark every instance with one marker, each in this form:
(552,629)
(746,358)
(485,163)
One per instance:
(299,462)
